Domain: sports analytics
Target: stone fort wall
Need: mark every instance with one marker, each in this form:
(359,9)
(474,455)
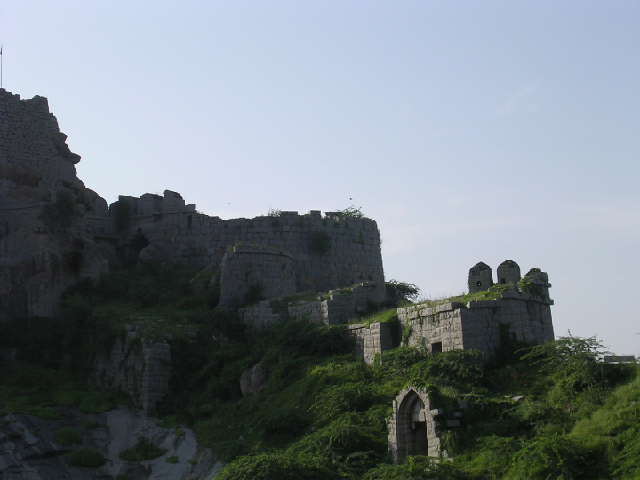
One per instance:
(453,326)
(478,324)
(247,267)
(329,251)
(30,139)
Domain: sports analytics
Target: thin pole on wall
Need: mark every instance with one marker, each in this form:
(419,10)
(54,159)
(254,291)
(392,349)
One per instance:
(1,65)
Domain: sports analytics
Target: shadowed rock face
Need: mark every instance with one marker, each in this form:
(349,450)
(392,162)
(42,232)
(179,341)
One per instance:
(38,258)
(28,447)
(59,140)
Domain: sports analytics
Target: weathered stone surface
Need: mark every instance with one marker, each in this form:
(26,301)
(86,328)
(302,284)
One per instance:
(452,326)
(338,309)
(38,260)
(372,340)
(271,271)
(28,448)
(412,428)
(139,367)
(253,380)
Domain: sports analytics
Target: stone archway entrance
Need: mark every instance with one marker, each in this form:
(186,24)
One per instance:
(415,425)
(412,429)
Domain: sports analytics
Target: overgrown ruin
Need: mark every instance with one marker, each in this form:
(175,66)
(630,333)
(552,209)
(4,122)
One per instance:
(54,232)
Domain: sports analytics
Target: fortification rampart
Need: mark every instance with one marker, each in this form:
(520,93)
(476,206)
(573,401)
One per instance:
(372,340)
(328,252)
(339,308)
(477,325)
(30,140)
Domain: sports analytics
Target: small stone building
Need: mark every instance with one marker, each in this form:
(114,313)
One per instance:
(479,324)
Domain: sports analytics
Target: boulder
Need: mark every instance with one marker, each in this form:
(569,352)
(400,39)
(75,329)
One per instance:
(253,380)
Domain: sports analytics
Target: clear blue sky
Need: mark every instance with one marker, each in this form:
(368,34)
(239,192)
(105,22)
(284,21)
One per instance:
(470,130)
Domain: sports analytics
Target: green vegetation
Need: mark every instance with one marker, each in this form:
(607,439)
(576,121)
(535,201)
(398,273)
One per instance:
(172,459)
(492,294)
(60,212)
(67,436)
(85,457)
(399,293)
(143,450)
(169,421)
(33,390)
(352,212)
(323,413)
(90,424)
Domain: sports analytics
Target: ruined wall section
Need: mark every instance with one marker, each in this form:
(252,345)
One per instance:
(339,308)
(372,340)
(140,367)
(329,251)
(477,325)
(30,140)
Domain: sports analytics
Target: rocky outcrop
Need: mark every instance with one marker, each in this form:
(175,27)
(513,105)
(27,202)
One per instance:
(253,380)
(29,449)
(139,367)
(45,244)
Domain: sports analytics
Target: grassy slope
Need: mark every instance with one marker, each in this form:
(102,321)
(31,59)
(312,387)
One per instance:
(323,413)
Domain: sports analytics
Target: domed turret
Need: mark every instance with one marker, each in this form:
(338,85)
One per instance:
(480,278)
(509,273)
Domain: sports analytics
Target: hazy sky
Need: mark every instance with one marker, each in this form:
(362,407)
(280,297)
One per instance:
(470,130)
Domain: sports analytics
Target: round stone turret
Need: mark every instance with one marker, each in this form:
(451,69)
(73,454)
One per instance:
(509,273)
(480,278)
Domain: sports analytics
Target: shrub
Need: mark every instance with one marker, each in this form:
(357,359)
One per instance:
(67,436)
(144,450)
(61,212)
(179,432)
(172,459)
(96,404)
(89,424)
(169,421)
(400,292)
(416,468)
(85,457)
(274,466)
(552,457)
(352,212)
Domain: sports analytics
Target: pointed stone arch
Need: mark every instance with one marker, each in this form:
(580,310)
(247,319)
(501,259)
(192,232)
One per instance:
(412,428)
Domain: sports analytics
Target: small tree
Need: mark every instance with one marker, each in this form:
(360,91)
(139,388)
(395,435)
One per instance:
(399,292)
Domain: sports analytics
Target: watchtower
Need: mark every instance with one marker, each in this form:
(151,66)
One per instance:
(509,273)
(480,278)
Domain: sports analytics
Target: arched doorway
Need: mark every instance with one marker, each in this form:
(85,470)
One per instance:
(412,429)
(413,414)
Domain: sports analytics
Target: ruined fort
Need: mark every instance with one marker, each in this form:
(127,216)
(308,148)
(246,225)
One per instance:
(45,248)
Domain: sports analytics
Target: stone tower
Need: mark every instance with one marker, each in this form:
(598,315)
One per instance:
(480,278)
(509,273)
